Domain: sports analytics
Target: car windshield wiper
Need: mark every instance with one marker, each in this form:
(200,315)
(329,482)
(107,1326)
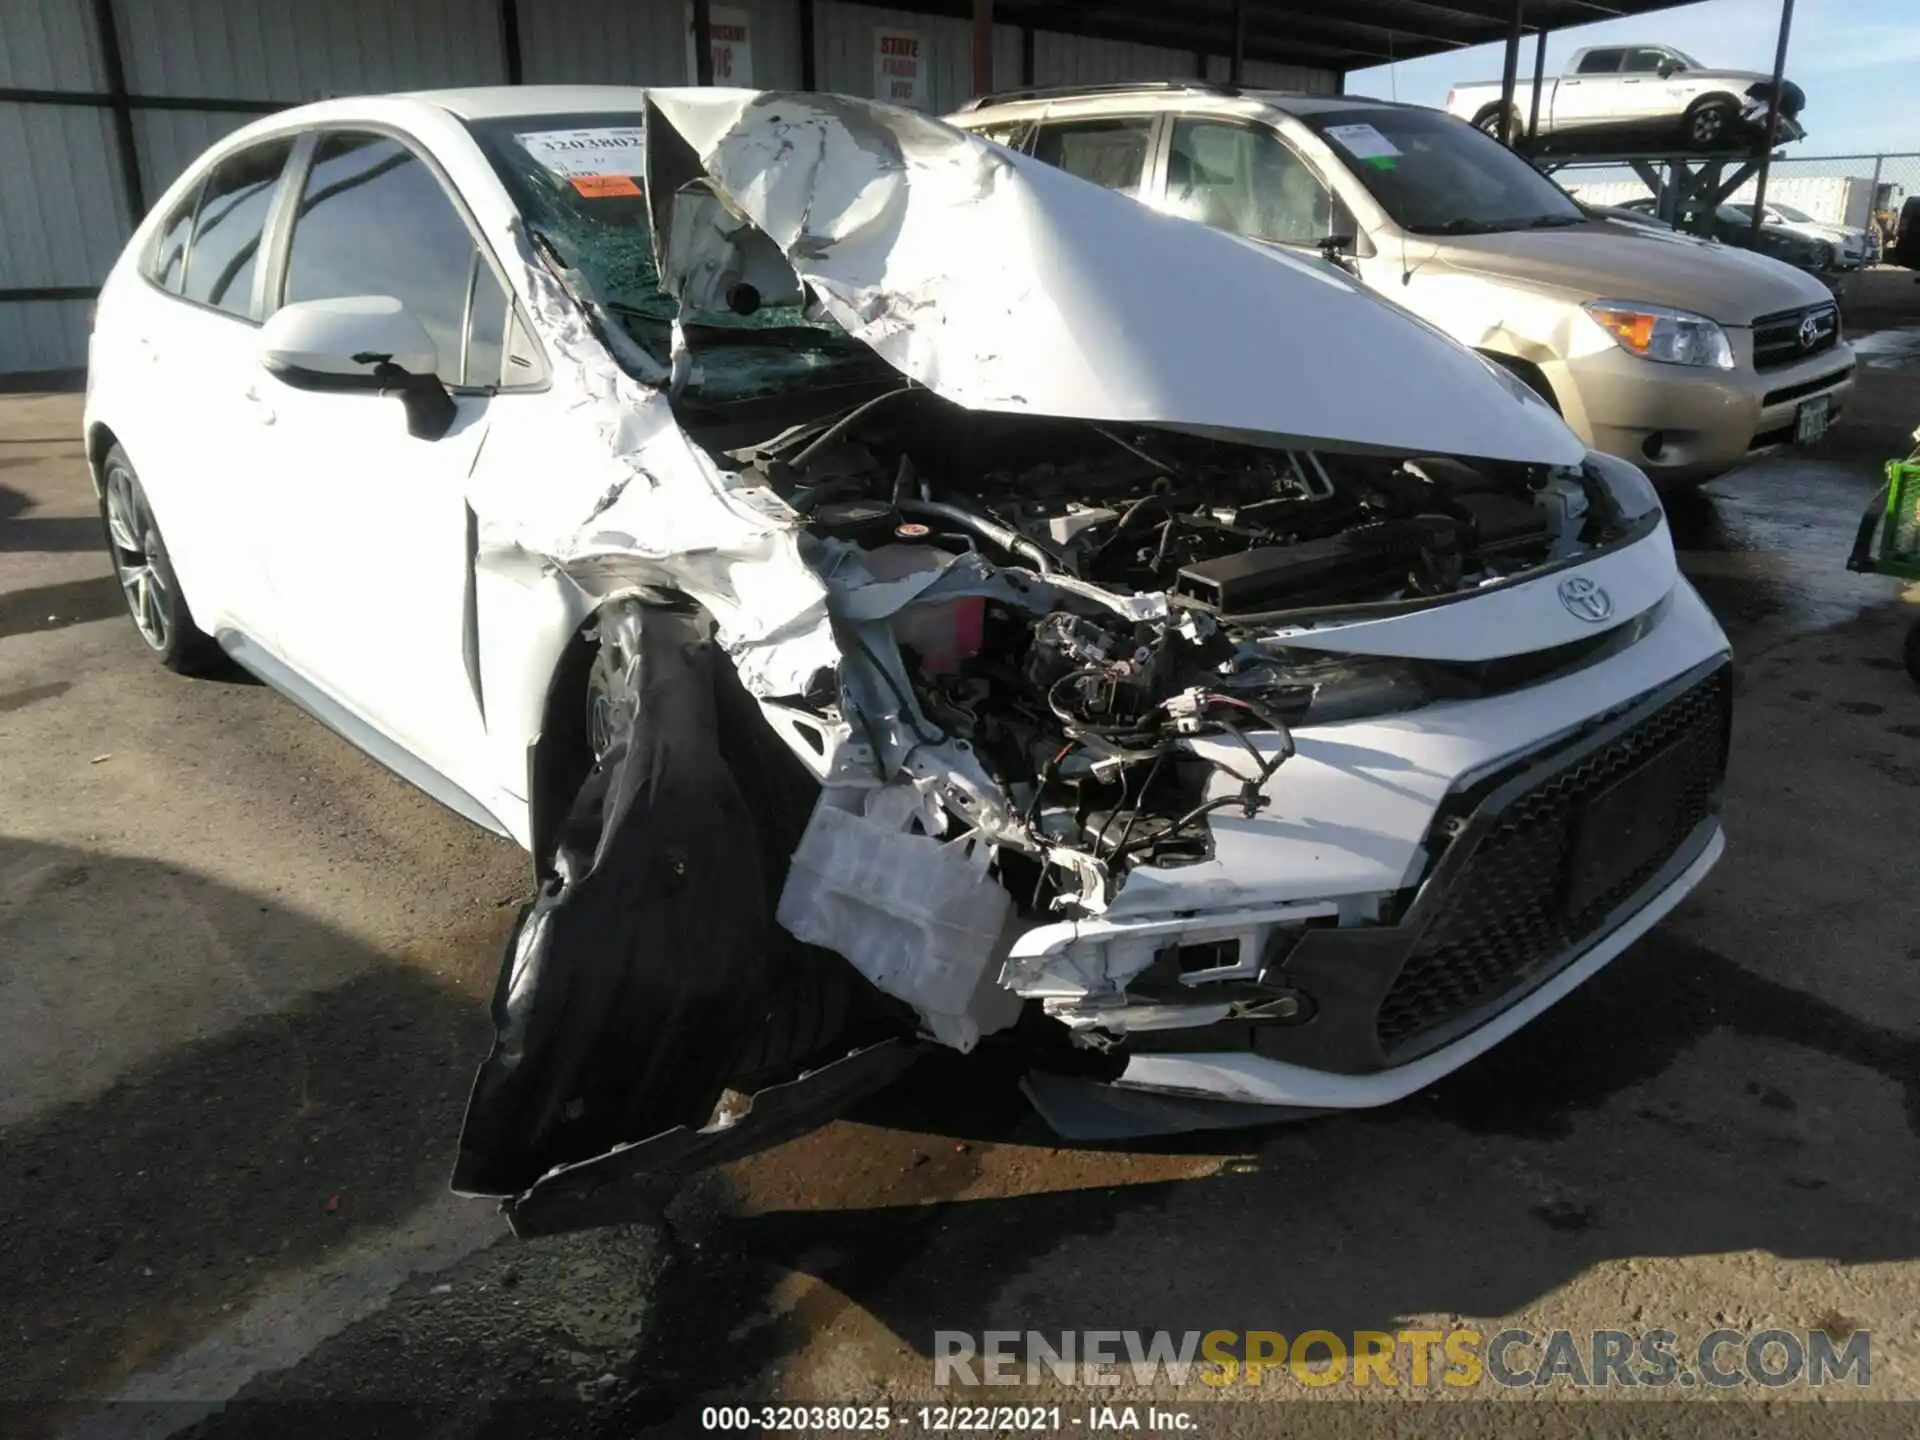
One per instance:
(1458,225)
(1548,222)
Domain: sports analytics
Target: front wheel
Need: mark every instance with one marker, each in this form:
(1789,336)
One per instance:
(1709,124)
(147,582)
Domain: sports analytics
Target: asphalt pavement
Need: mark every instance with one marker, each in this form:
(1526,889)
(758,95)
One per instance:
(243,980)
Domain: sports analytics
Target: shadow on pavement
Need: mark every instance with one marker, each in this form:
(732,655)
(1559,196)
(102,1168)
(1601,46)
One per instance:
(133,1220)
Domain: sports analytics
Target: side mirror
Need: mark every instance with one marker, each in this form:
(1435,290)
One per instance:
(360,342)
(1668,69)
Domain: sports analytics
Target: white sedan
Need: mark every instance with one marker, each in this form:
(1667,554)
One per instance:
(902,595)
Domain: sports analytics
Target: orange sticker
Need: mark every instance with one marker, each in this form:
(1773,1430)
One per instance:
(596,185)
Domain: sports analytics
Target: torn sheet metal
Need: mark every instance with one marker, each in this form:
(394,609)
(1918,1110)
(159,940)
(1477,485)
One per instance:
(636,505)
(1003,283)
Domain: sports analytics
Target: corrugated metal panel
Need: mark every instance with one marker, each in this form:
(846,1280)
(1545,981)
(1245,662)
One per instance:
(844,47)
(49,45)
(603,42)
(1083,60)
(64,216)
(43,334)
(644,42)
(304,50)
(170,140)
(775,33)
(1275,75)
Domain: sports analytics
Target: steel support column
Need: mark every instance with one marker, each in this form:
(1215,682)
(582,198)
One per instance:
(510,39)
(116,71)
(982,47)
(1510,73)
(1539,83)
(1239,60)
(702,42)
(809,74)
(1773,118)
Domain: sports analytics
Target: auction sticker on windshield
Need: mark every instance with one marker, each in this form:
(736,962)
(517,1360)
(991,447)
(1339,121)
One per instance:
(1363,142)
(589,154)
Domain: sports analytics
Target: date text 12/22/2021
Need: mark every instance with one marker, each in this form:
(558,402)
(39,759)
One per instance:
(944,1419)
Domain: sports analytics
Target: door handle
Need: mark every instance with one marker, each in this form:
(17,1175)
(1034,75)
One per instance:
(258,406)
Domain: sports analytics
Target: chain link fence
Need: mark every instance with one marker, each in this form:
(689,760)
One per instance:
(1865,192)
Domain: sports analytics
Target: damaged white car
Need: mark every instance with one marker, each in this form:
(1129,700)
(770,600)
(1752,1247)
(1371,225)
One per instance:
(902,595)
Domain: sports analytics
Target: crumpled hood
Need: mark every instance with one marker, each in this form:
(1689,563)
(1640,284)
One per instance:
(1615,261)
(1005,284)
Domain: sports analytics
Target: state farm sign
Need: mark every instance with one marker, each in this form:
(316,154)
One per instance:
(900,68)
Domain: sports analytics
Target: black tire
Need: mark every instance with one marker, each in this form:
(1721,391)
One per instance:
(152,591)
(1488,120)
(1709,123)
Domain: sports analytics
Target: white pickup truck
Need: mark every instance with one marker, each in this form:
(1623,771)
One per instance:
(1630,94)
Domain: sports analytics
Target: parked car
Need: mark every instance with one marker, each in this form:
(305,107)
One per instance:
(1686,357)
(1851,246)
(1614,95)
(1733,225)
(901,596)
(1626,215)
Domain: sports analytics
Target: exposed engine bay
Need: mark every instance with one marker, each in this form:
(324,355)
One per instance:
(1107,594)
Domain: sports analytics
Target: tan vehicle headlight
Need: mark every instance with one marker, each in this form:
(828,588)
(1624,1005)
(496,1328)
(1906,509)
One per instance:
(1654,332)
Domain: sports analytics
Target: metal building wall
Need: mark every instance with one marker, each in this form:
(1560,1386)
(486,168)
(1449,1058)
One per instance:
(844,51)
(55,234)
(1080,60)
(1275,75)
(208,66)
(644,42)
(298,50)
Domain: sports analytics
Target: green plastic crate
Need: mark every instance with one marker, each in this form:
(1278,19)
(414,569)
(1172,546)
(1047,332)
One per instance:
(1889,538)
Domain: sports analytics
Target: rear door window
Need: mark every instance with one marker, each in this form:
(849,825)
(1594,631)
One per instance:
(167,263)
(1111,151)
(225,256)
(373,219)
(1245,179)
(1600,62)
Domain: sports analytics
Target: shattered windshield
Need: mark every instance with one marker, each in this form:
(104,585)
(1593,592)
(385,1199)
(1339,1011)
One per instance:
(578,182)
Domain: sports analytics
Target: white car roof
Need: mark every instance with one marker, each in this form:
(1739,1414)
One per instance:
(487,102)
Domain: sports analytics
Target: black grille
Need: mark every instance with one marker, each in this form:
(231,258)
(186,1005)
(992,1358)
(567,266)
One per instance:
(1776,338)
(1516,904)
(1806,387)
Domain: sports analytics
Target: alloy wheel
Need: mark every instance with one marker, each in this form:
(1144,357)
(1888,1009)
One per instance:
(139,559)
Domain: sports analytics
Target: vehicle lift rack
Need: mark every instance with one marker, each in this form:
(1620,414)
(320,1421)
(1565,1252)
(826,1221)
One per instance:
(1684,183)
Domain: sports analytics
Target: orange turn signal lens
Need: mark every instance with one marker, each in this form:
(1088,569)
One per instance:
(1632,328)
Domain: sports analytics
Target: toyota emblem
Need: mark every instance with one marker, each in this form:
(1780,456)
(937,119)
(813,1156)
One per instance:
(1809,332)
(1585,600)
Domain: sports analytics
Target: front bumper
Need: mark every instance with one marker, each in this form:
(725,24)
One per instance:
(1683,424)
(1259,1080)
(1499,913)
